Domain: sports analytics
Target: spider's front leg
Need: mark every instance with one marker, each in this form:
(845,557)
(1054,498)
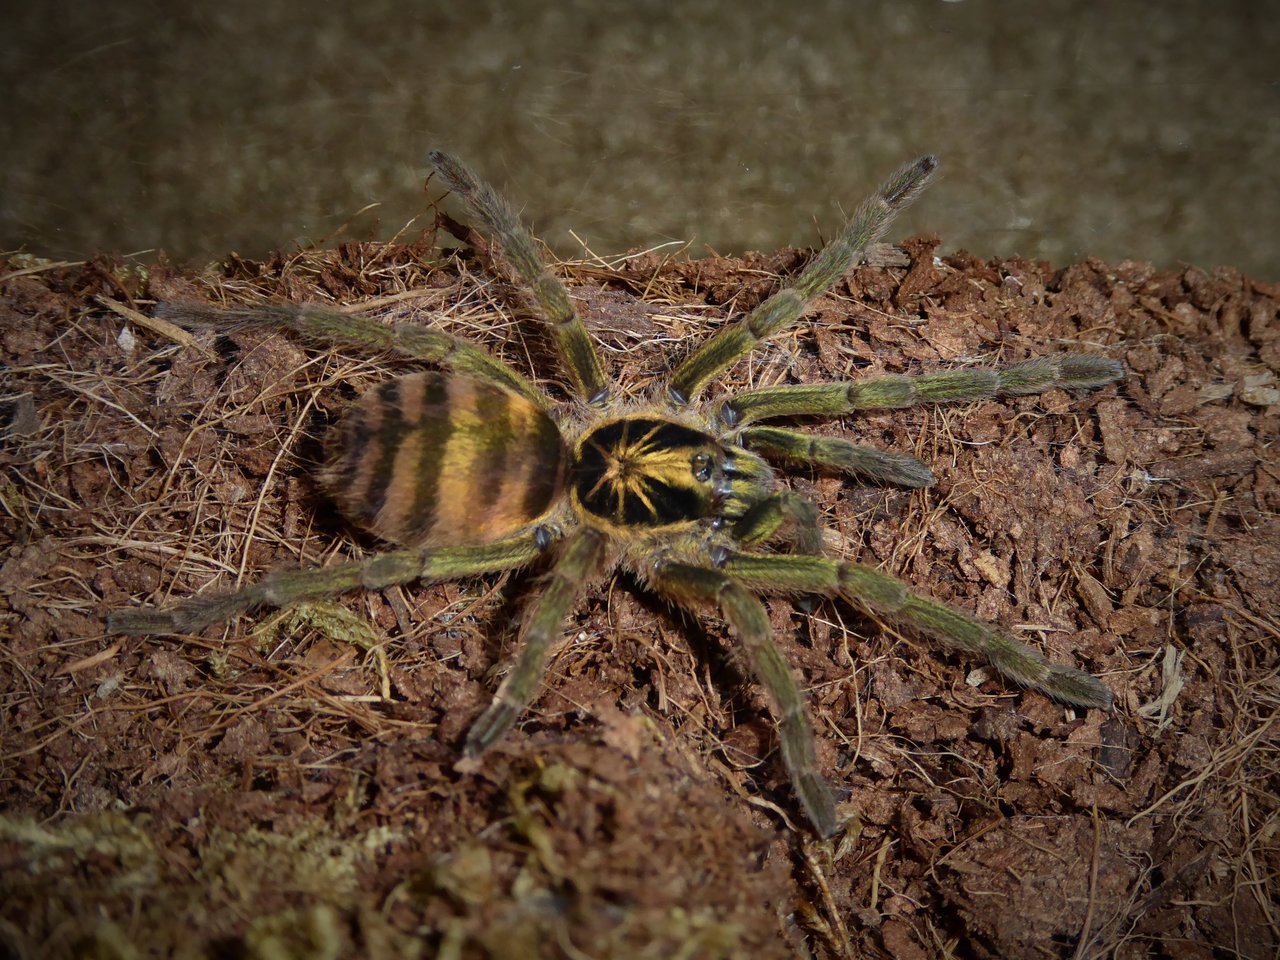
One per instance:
(1070,371)
(888,597)
(286,588)
(788,305)
(690,585)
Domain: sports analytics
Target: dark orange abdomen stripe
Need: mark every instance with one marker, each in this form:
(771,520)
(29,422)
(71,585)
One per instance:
(436,459)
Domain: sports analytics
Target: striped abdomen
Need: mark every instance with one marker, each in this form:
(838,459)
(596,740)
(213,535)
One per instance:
(436,459)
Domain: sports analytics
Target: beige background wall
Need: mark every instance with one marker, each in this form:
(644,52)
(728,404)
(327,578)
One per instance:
(1066,128)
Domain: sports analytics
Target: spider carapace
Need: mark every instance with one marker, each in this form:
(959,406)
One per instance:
(647,473)
(473,469)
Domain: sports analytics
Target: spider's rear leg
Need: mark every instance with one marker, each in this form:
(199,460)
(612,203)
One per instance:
(888,597)
(573,343)
(285,588)
(581,559)
(328,325)
(690,585)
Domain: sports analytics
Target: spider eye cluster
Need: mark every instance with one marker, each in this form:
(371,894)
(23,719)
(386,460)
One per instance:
(703,466)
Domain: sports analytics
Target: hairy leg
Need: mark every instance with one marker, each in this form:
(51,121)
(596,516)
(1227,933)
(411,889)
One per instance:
(577,353)
(692,585)
(285,588)
(836,453)
(581,559)
(333,326)
(1067,370)
(785,307)
(782,509)
(886,596)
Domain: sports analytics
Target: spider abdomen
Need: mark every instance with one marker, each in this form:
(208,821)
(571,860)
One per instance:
(442,459)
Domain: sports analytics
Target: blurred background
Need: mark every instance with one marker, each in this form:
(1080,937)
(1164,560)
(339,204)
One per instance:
(1067,128)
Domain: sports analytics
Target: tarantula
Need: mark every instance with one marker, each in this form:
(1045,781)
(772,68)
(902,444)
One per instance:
(471,469)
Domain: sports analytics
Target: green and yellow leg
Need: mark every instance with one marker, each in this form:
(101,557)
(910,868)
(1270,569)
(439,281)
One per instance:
(691,585)
(836,453)
(581,559)
(782,509)
(1068,370)
(574,345)
(333,326)
(885,596)
(785,307)
(285,588)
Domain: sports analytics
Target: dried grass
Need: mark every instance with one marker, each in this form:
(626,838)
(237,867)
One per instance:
(291,785)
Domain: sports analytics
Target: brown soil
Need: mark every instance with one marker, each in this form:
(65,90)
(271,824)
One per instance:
(291,786)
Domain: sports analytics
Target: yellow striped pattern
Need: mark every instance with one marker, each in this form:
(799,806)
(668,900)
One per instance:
(439,459)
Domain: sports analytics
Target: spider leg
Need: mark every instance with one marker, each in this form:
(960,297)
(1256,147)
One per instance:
(577,353)
(580,559)
(785,307)
(1068,370)
(284,588)
(691,585)
(333,326)
(768,516)
(888,597)
(838,454)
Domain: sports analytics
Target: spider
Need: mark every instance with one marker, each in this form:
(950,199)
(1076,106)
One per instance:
(471,469)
